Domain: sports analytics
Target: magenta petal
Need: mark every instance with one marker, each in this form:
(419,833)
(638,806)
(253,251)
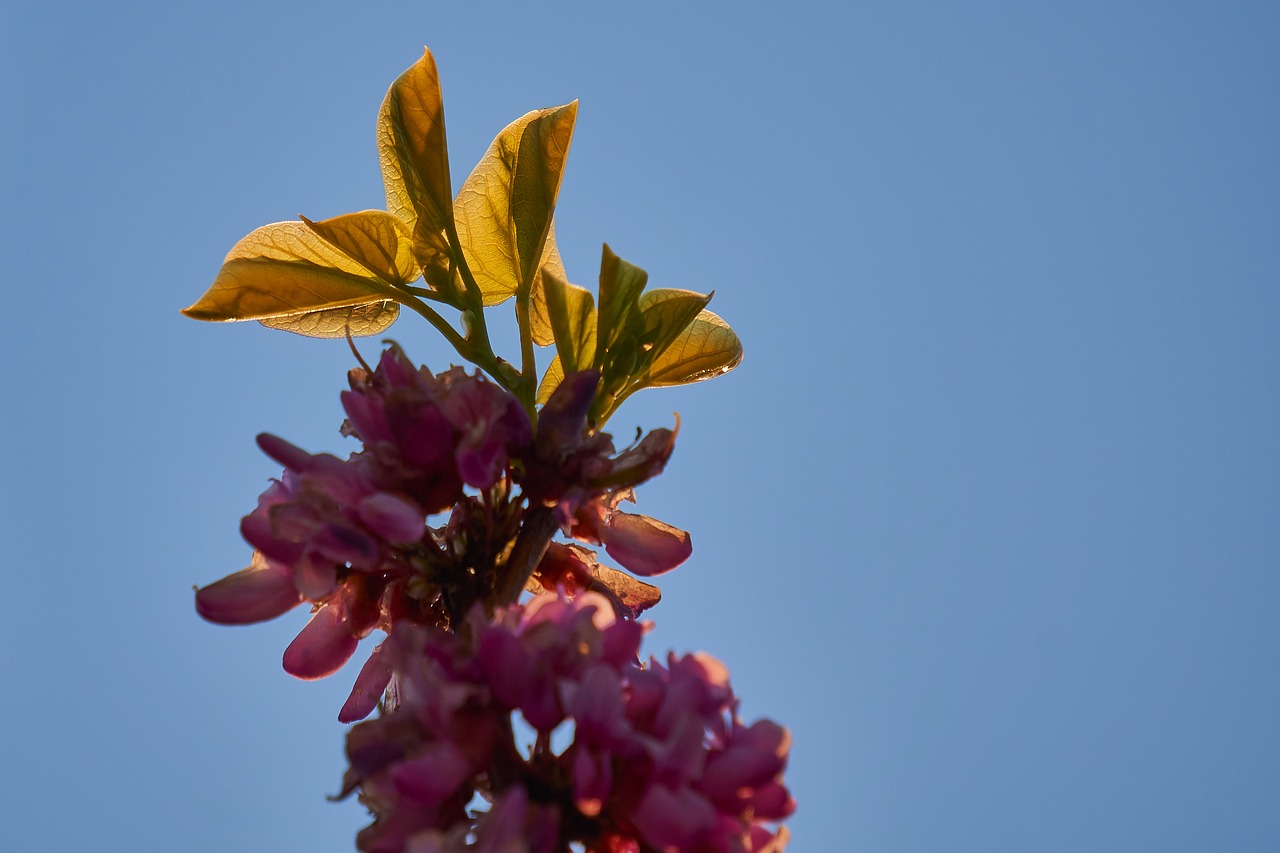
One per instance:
(508,665)
(673,819)
(370,684)
(322,647)
(772,801)
(287,454)
(394,518)
(764,841)
(592,780)
(509,825)
(480,461)
(343,542)
(597,706)
(736,768)
(622,643)
(256,530)
(262,591)
(643,545)
(433,775)
(562,419)
(314,578)
(424,436)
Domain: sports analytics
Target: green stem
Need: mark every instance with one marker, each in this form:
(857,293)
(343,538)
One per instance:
(474,294)
(426,293)
(528,361)
(478,352)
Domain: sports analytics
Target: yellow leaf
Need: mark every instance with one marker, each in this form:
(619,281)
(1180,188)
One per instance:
(284,270)
(706,349)
(379,241)
(573,317)
(539,319)
(503,211)
(415,160)
(371,319)
(666,313)
(550,380)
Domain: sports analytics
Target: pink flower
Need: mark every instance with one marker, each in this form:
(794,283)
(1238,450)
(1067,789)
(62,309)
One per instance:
(351,536)
(658,758)
(491,426)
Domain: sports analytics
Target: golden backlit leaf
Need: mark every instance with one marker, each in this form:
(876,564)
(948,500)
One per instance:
(539,319)
(666,314)
(550,380)
(706,349)
(415,160)
(359,320)
(379,241)
(503,211)
(286,269)
(572,313)
(620,287)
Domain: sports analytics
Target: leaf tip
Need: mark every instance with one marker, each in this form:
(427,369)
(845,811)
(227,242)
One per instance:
(195,312)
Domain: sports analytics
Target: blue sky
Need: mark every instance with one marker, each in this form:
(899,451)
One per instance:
(989,515)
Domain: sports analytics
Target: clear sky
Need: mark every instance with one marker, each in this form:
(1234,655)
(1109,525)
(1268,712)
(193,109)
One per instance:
(989,515)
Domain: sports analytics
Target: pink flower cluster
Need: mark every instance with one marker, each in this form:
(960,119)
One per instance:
(351,536)
(658,759)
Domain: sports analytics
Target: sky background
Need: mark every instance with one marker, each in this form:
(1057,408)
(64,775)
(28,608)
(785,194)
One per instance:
(989,516)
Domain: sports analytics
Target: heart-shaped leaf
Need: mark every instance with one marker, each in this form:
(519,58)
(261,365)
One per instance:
(503,211)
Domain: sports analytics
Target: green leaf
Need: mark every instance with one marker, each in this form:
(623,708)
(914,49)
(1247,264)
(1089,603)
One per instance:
(573,318)
(666,313)
(620,287)
(503,211)
(706,349)
(550,380)
(415,163)
(290,269)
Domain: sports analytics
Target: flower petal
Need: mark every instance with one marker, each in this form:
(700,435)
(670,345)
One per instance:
(394,518)
(370,684)
(433,775)
(263,590)
(673,819)
(563,418)
(643,545)
(322,647)
(286,453)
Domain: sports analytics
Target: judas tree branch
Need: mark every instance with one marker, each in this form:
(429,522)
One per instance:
(535,535)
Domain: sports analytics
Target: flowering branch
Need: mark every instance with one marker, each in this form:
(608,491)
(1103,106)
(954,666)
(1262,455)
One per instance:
(451,508)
